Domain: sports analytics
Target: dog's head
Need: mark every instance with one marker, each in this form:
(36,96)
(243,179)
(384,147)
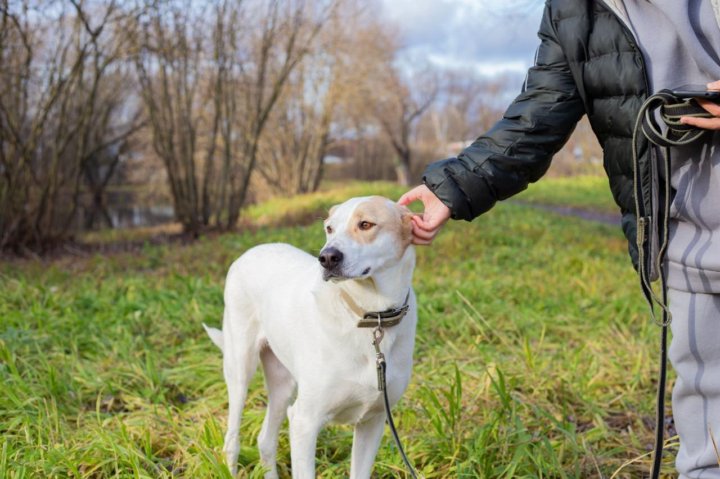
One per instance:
(364,235)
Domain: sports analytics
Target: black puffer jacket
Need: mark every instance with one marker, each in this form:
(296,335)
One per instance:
(587,63)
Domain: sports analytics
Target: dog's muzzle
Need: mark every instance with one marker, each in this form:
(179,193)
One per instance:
(331,260)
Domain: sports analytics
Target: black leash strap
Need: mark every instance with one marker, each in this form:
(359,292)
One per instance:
(381,365)
(653,219)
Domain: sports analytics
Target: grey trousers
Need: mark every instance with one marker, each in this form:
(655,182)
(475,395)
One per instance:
(695,356)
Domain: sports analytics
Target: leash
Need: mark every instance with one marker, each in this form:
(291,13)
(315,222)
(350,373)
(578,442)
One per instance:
(379,320)
(381,366)
(652,235)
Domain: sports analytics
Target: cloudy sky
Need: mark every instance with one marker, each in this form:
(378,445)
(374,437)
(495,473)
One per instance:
(492,36)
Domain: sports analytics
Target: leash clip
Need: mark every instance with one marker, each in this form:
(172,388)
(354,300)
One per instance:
(378,335)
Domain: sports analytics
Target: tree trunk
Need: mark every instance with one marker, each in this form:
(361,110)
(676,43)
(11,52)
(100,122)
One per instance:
(402,171)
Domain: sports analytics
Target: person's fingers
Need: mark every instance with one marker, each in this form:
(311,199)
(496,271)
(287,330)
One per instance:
(705,123)
(437,216)
(427,224)
(421,237)
(406,199)
(413,195)
(420,221)
(423,234)
(709,106)
(715,85)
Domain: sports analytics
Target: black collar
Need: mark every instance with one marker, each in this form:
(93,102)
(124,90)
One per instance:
(371,319)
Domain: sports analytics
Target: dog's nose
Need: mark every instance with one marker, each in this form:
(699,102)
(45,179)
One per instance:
(330,257)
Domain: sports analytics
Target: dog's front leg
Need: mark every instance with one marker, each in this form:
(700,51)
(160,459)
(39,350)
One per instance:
(366,441)
(305,425)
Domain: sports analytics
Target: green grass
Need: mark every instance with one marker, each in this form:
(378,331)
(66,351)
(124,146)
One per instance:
(534,355)
(585,192)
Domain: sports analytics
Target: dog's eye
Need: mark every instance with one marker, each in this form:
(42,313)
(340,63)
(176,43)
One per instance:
(329,229)
(365,225)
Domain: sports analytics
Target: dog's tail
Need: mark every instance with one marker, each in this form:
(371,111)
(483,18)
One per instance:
(216,336)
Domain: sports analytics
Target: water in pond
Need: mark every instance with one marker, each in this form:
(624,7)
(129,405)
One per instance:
(122,209)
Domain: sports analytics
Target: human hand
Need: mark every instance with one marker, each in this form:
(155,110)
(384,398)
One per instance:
(434,216)
(711,107)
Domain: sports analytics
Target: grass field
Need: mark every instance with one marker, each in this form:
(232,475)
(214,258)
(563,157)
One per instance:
(534,354)
(582,192)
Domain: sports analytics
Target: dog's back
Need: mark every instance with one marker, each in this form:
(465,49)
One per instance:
(271,265)
(259,271)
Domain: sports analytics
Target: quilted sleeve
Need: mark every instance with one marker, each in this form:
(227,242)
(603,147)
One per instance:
(517,150)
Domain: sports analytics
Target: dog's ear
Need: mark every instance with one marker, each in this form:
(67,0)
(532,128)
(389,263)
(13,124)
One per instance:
(407,225)
(331,211)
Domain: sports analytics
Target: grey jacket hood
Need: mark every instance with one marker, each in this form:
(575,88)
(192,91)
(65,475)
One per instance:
(618,8)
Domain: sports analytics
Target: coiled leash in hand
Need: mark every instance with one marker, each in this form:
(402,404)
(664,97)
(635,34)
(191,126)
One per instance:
(379,321)
(653,217)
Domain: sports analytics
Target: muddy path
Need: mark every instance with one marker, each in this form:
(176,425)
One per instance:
(603,217)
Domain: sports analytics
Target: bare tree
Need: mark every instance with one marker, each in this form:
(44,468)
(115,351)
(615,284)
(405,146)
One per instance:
(229,88)
(168,60)
(219,94)
(286,35)
(55,61)
(468,105)
(365,50)
(403,101)
(291,157)
(291,154)
(117,118)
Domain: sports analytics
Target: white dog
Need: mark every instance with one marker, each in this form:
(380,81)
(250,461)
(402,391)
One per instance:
(300,318)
